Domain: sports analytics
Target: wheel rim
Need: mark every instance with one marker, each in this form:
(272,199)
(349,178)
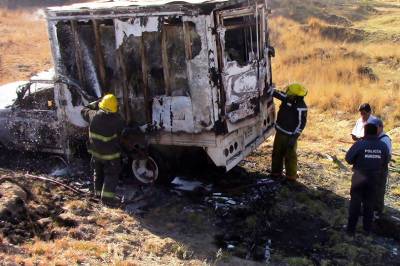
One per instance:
(145,170)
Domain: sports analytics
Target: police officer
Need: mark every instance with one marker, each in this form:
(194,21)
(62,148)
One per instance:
(368,157)
(105,128)
(381,186)
(291,120)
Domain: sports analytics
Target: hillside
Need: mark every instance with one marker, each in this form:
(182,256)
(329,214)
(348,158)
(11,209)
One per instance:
(345,51)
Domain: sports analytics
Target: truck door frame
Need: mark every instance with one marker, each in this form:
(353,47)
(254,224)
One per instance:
(259,12)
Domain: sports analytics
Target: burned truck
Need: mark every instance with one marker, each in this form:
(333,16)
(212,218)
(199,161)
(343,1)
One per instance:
(190,75)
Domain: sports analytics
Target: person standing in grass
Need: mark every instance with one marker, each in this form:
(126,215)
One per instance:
(369,157)
(291,120)
(105,129)
(366,116)
(381,186)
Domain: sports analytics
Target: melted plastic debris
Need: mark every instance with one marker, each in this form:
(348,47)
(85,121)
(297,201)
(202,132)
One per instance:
(189,185)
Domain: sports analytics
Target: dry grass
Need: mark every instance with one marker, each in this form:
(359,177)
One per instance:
(331,70)
(24,46)
(167,246)
(65,251)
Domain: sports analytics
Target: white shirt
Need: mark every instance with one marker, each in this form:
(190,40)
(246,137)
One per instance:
(358,129)
(387,141)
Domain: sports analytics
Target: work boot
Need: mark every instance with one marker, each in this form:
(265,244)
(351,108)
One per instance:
(292,178)
(278,177)
(111,202)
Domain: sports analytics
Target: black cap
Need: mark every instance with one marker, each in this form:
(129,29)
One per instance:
(377,122)
(365,107)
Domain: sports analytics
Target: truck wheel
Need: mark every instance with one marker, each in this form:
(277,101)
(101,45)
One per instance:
(153,169)
(145,170)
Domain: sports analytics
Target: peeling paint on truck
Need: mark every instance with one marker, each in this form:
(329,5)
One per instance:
(189,74)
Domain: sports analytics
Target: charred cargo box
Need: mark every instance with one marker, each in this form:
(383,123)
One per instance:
(194,74)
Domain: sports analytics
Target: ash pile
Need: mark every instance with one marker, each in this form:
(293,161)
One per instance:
(34,190)
(243,214)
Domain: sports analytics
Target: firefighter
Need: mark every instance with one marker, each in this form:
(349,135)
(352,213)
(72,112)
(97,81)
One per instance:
(366,116)
(369,157)
(105,128)
(381,187)
(291,120)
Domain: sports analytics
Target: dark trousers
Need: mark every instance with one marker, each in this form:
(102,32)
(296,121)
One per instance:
(362,193)
(106,174)
(380,192)
(283,152)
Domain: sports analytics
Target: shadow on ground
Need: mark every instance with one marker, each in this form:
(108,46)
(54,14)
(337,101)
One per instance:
(242,214)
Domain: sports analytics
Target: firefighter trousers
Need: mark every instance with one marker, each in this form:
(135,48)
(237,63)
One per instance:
(283,152)
(106,174)
(361,194)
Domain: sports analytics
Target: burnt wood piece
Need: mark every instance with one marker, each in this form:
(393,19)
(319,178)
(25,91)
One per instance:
(99,55)
(145,74)
(188,41)
(124,83)
(164,52)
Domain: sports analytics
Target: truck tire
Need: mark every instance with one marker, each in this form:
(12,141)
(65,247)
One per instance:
(152,169)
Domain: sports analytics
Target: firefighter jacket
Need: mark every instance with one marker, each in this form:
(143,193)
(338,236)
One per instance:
(369,158)
(104,133)
(292,114)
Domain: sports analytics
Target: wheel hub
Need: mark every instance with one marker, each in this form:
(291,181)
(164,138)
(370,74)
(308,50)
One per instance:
(145,170)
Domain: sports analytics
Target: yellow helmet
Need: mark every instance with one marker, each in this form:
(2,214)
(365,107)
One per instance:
(109,103)
(296,89)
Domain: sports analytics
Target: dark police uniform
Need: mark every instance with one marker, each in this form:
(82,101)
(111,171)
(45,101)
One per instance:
(381,187)
(369,158)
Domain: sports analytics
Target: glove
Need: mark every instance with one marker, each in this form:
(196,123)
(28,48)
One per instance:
(271,91)
(94,105)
